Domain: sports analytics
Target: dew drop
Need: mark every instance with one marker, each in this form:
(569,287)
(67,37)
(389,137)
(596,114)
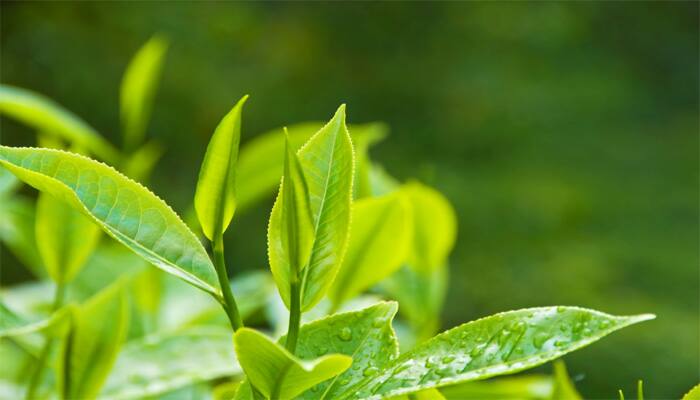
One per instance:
(378,322)
(604,324)
(345,334)
(561,309)
(476,352)
(448,359)
(539,339)
(370,371)
(344,382)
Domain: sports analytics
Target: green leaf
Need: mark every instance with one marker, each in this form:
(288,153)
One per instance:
(421,294)
(278,374)
(17,231)
(261,160)
(164,362)
(500,344)
(8,182)
(215,198)
(138,89)
(327,163)
(12,324)
(693,394)
(428,394)
(64,236)
(365,335)
(121,207)
(48,117)
(563,388)
(435,227)
(527,387)
(90,349)
(367,136)
(379,242)
(291,230)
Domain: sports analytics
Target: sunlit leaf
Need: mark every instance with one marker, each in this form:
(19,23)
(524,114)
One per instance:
(138,89)
(427,394)
(278,374)
(435,227)
(365,335)
(563,388)
(65,237)
(90,349)
(8,182)
(327,161)
(496,345)
(291,229)
(262,159)
(379,242)
(363,139)
(215,198)
(121,207)
(48,117)
(693,394)
(164,362)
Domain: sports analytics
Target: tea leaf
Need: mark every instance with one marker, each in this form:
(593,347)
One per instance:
(17,223)
(563,389)
(435,227)
(693,394)
(8,182)
(365,335)
(215,197)
(381,234)
(261,160)
(496,345)
(364,137)
(121,207)
(65,237)
(90,349)
(164,362)
(327,161)
(428,394)
(291,232)
(421,295)
(12,324)
(48,117)
(278,374)
(138,89)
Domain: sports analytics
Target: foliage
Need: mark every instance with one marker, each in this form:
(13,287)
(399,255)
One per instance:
(404,234)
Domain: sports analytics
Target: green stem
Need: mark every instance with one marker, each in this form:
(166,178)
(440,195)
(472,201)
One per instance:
(229,304)
(294,317)
(38,373)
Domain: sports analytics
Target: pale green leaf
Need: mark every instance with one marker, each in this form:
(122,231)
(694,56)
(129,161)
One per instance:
(500,344)
(363,138)
(90,349)
(291,229)
(527,387)
(17,223)
(121,207)
(327,161)
(8,182)
(365,335)
(262,159)
(428,394)
(693,394)
(563,388)
(215,198)
(164,362)
(12,324)
(421,294)
(435,227)
(379,241)
(138,89)
(65,237)
(48,117)
(278,374)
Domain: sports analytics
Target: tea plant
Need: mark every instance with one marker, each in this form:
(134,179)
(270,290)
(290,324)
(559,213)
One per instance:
(344,238)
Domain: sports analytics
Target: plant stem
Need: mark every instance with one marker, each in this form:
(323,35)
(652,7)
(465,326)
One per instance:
(230,306)
(294,316)
(35,379)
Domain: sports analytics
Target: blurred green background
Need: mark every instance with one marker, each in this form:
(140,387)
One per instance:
(565,135)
